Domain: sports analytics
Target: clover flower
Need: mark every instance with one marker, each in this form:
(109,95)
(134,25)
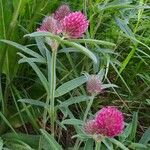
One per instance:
(51,25)
(74,25)
(110,121)
(61,12)
(91,127)
(70,24)
(94,84)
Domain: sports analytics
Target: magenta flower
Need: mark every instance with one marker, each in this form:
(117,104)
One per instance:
(50,24)
(70,24)
(110,121)
(94,85)
(74,25)
(61,12)
(91,127)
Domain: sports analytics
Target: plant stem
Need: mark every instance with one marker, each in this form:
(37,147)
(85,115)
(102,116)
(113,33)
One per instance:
(88,107)
(98,145)
(52,92)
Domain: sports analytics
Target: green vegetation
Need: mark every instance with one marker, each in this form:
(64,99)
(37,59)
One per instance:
(43,97)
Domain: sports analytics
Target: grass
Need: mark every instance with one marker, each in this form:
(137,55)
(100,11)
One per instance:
(118,36)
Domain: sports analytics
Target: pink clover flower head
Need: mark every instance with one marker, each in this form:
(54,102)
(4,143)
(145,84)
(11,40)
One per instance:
(51,25)
(94,84)
(91,127)
(61,12)
(74,25)
(110,121)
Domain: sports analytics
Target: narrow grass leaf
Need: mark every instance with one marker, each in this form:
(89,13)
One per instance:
(127,59)
(105,86)
(126,133)
(138,146)
(1,143)
(81,49)
(73,44)
(39,74)
(22,48)
(34,60)
(43,34)
(89,145)
(108,144)
(41,46)
(72,122)
(145,137)
(119,144)
(93,41)
(7,122)
(74,100)
(68,50)
(121,77)
(124,27)
(33,102)
(137,41)
(52,142)
(134,126)
(26,138)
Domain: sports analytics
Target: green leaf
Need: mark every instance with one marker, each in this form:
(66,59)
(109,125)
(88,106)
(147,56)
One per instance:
(52,142)
(134,126)
(60,40)
(137,146)
(137,41)
(44,34)
(33,102)
(101,74)
(70,85)
(127,59)
(120,77)
(18,144)
(32,59)
(93,41)
(26,138)
(123,147)
(124,27)
(23,48)
(72,122)
(74,100)
(81,49)
(68,50)
(89,144)
(41,46)
(106,86)
(1,143)
(126,133)
(116,4)
(7,122)
(145,137)
(108,144)
(39,73)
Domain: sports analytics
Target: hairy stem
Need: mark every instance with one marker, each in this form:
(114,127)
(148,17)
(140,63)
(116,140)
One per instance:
(52,87)
(98,145)
(88,107)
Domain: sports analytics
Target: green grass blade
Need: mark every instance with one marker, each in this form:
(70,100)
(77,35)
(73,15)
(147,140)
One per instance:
(118,144)
(22,48)
(145,137)
(93,41)
(7,122)
(1,144)
(52,144)
(81,49)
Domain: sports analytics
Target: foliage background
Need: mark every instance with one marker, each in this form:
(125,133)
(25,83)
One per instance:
(123,22)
